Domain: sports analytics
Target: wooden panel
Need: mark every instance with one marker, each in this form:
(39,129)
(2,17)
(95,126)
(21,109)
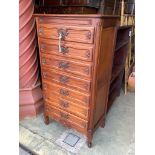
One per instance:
(62,91)
(104,72)
(68,22)
(70,49)
(68,106)
(68,65)
(65,117)
(52,94)
(65,79)
(71,33)
(110,22)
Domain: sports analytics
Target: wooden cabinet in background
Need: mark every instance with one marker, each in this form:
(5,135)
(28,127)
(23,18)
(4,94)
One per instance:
(67,6)
(76,55)
(120,55)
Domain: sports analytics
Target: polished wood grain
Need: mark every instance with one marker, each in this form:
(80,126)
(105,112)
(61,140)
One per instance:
(52,94)
(68,65)
(66,92)
(76,82)
(66,79)
(67,118)
(103,74)
(73,33)
(71,49)
(68,106)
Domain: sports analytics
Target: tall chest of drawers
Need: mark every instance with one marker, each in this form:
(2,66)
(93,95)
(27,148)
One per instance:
(76,55)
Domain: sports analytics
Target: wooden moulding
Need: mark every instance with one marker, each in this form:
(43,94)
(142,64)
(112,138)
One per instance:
(31,102)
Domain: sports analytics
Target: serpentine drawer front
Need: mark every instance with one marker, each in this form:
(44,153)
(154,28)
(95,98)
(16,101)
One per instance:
(65,64)
(66,92)
(68,106)
(69,33)
(68,49)
(76,53)
(66,79)
(67,118)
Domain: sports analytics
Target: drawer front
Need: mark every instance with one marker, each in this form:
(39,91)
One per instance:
(65,64)
(65,79)
(68,33)
(71,107)
(61,91)
(68,49)
(66,118)
(48,94)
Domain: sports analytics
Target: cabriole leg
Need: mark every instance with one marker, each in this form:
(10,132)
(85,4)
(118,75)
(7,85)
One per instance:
(89,144)
(89,138)
(103,123)
(46,119)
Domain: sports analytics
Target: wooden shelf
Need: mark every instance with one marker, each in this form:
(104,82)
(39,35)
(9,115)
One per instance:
(123,27)
(121,44)
(115,72)
(113,85)
(119,60)
(112,96)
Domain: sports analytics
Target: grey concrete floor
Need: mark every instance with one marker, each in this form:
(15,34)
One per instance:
(117,138)
(23,152)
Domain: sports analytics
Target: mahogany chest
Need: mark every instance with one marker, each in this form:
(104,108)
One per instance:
(76,55)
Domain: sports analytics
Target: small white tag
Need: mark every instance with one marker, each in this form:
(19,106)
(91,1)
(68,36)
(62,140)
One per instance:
(60,37)
(129,33)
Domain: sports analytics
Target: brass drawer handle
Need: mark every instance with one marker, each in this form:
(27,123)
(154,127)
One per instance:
(64,104)
(44,86)
(65,116)
(84,125)
(63,64)
(87,54)
(40,20)
(64,92)
(63,79)
(88,35)
(41,31)
(87,71)
(43,61)
(63,33)
(44,74)
(86,86)
(42,46)
(63,49)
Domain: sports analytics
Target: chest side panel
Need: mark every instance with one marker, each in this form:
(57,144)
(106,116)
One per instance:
(104,67)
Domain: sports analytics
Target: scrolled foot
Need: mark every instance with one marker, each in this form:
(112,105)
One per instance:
(103,124)
(89,144)
(46,120)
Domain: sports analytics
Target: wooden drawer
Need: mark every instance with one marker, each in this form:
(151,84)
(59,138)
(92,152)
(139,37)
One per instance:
(66,118)
(61,91)
(69,49)
(52,95)
(71,107)
(69,33)
(65,64)
(66,79)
